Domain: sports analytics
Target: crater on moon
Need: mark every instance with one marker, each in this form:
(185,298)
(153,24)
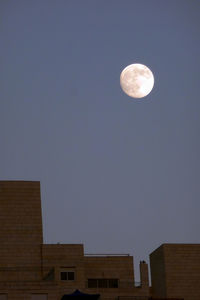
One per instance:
(137,80)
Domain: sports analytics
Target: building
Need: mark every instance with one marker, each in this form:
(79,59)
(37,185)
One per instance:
(175,271)
(31,270)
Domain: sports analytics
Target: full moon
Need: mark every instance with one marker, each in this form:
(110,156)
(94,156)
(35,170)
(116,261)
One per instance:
(137,80)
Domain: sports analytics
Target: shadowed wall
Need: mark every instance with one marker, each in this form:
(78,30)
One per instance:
(20,231)
(175,271)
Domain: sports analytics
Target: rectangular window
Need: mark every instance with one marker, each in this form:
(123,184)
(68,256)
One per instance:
(39,297)
(65,275)
(103,283)
(113,283)
(92,283)
(70,275)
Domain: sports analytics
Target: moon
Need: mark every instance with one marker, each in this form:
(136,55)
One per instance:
(137,80)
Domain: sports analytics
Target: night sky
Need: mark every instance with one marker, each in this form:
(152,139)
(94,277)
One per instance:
(118,174)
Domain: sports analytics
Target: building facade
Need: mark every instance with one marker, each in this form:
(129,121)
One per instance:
(175,271)
(32,270)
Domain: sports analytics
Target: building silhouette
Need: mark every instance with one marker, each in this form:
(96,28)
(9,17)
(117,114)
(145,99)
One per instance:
(32,270)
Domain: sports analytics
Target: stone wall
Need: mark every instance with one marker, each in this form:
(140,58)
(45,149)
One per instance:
(177,268)
(157,268)
(20,231)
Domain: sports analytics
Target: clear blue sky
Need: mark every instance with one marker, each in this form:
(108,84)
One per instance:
(117,174)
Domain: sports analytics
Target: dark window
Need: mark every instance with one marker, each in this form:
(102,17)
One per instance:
(67,275)
(70,275)
(102,283)
(113,283)
(63,275)
(92,283)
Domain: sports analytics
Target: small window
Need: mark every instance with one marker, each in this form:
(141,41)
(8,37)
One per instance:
(92,283)
(70,275)
(113,283)
(64,275)
(103,283)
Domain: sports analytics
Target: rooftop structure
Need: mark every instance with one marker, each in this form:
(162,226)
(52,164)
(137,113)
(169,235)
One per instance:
(32,270)
(175,271)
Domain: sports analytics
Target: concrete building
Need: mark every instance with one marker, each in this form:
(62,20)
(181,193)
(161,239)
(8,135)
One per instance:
(175,271)
(31,270)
